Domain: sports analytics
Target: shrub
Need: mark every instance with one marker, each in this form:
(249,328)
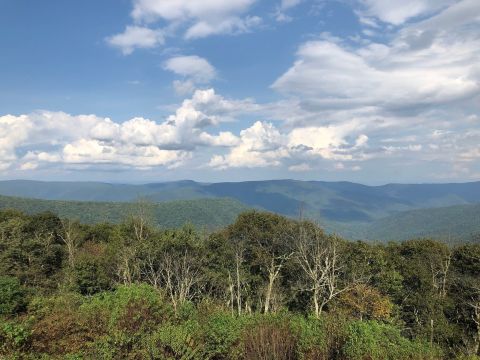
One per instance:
(13,337)
(269,338)
(372,340)
(312,337)
(12,296)
(132,309)
(222,334)
(173,342)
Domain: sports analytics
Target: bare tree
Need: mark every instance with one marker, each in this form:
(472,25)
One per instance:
(440,270)
(239,250)
(141,219)
(318,256)
(71,238)
(151,271)
(180,275)
(475,306)
(273,271)
(128,267)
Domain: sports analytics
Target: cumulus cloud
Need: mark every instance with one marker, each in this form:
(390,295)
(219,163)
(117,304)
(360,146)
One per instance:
(260,145)
(197,19)
(136,37)
(264,145)
(194,70)
(55,138)
(195,67)
(332,75)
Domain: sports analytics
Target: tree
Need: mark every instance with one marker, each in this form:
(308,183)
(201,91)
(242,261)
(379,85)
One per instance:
(265,242)
(366,302)
(319,258)
(136,231)
(71,237)
(180,266)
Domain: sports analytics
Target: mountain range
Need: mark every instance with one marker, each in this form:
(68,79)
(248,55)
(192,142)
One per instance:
(386,212)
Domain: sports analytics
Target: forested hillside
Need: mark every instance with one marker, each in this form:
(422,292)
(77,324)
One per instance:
(203,213)
(264,287)
(341,202)
(453,224)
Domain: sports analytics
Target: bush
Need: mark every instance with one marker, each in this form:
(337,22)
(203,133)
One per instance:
(132,309)
(269,338)
(222,334)
(173,342)
(12,296)
(13,337)
(312,337)
(372,340)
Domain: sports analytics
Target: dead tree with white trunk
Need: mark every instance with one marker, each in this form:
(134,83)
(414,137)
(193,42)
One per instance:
(319,257)
(71,237)
(180,276)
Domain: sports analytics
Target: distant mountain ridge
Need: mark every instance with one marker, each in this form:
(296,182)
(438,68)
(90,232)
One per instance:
(330,201)
(450,212)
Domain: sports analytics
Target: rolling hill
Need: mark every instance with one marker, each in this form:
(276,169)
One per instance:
(452,223)
(327,201)
(209,213)
(387,212)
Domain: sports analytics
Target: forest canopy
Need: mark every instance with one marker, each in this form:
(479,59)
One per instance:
(265,287)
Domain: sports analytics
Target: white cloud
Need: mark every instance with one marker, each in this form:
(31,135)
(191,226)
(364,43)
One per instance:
(396,12)
(264,145)
(173,10)
(46,138)
(230,25)
(136,37)
(184,87)
(194,67)
(260,145)
(300,167)
(280,14)
(197,19)
(331,75)
(287,4)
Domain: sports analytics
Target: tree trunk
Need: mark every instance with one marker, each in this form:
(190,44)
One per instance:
(239,289)
(268,295)
(315,303)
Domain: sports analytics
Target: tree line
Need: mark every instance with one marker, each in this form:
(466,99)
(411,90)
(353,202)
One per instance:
(265,287)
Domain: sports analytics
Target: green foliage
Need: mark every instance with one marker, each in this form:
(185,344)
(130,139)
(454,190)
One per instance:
(91,272)
(12,296)
(172,342)
(452,224)
(375,341)
(221,334)
(13,337)
(135,291)
(312,337)
(210,213)
(131,309)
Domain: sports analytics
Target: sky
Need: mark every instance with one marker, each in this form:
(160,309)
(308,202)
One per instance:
(369,91)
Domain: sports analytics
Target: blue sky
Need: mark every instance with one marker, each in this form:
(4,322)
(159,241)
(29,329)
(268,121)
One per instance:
(159,90)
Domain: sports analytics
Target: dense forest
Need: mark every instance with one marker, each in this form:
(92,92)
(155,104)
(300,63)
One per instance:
(264,287)
(203,213)
(451,224)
